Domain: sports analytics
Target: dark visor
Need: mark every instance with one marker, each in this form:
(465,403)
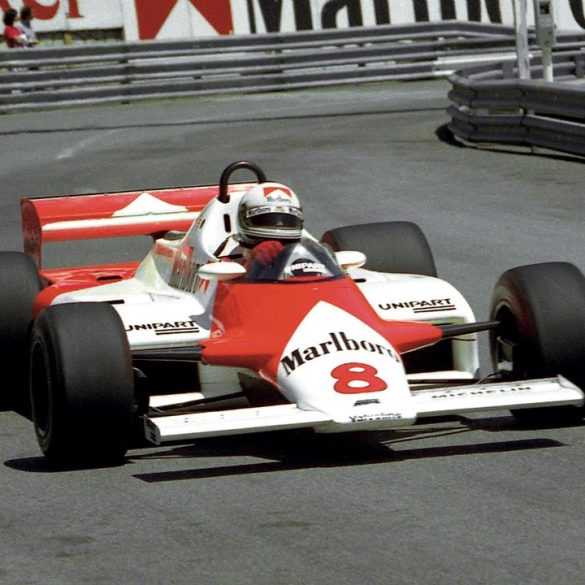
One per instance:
(278,220)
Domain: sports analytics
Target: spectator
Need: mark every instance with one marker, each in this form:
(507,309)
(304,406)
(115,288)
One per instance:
(25,27)
(13,38)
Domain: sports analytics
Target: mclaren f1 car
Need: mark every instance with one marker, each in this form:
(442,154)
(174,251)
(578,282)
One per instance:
(353,331)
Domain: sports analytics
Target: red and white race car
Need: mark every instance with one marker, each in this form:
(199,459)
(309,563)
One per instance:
(350,332)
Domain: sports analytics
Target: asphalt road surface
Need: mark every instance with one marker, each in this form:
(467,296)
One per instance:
(475,500)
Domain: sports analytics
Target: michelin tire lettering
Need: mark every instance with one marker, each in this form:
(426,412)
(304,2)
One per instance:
(480,392)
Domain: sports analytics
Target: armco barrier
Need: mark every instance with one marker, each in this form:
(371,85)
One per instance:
(490,105)
(122,72)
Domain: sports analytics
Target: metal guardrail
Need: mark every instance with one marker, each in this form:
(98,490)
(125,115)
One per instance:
(124,72)
(490,105)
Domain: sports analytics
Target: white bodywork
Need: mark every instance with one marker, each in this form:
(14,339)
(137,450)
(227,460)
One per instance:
(168,303)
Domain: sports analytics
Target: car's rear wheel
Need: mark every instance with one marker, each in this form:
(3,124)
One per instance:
(541,331)
(20,284)
(390,246)
(81,381)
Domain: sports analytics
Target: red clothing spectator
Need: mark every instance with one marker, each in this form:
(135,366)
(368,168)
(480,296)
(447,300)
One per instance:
(13,37)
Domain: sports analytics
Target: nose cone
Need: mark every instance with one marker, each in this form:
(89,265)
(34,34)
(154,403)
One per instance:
(337,364)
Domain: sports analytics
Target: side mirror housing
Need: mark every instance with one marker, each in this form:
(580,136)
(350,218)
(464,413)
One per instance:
(221,271)
(350,259)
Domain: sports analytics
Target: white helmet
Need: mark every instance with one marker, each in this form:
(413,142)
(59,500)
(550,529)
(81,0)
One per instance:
(269,211)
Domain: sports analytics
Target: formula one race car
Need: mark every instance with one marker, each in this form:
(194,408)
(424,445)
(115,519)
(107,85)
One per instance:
(350,332)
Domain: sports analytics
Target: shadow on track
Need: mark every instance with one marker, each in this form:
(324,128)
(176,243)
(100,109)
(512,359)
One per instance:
(444,134)
(302,449)
(296,450)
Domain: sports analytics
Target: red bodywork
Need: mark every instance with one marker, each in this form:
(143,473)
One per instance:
(254,322)
(80,217)
(63,280)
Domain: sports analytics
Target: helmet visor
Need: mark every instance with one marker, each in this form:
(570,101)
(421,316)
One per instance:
(275,217)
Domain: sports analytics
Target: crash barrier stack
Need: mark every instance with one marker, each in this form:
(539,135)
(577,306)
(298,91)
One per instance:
(118,72)
(491,105)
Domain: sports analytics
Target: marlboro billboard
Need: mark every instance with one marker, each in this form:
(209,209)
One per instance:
(165,19)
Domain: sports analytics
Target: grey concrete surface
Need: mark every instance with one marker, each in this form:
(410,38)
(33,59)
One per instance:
(470,501)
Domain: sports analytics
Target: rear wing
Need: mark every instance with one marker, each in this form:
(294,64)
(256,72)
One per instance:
(110,215)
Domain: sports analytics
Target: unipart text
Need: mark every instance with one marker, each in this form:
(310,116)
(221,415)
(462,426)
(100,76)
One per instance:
(425,306)
(168,328)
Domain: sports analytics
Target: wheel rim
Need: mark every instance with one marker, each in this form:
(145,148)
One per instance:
(513,354)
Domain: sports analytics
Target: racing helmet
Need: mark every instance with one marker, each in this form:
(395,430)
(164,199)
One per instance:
(269,211)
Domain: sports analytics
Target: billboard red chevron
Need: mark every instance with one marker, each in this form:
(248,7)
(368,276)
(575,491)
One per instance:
(152,14)
(45,11)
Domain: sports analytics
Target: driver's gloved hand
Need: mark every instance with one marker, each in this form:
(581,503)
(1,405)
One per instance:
(265,252)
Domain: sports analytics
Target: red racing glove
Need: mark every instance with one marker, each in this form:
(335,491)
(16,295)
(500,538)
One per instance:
(265,252)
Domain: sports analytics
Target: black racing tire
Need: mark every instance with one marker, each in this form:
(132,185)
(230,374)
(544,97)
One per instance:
(541,311)
(389,246)
(82,387)
(20,283)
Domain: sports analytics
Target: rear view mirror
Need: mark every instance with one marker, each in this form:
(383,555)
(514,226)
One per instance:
(350,259)
(221,271)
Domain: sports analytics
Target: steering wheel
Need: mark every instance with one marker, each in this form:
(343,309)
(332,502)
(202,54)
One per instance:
(224,196)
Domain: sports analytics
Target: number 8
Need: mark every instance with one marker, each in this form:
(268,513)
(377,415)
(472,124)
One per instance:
(357,372)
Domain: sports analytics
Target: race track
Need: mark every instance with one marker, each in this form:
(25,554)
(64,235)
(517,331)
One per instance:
(471,501)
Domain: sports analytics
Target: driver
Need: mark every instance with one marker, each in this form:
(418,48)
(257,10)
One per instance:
(269,215)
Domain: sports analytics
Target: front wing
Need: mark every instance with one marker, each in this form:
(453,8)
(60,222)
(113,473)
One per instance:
(550,392)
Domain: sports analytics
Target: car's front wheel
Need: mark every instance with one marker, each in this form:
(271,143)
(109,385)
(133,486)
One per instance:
(81,382)
(541,333)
